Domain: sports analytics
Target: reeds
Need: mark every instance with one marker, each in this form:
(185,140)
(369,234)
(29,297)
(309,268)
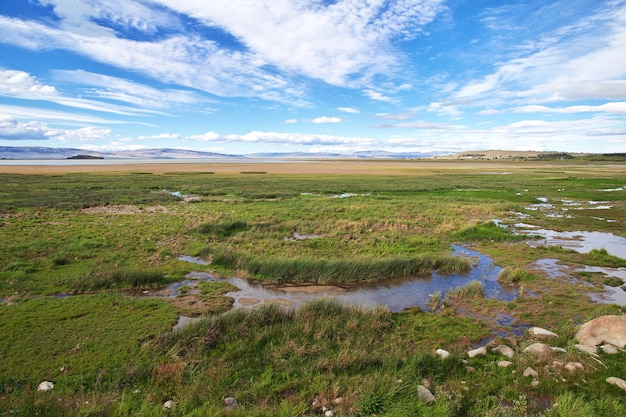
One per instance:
(474,289)
(118,278)
(337,270)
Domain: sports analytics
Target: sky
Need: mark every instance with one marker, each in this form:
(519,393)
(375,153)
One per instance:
(249,76)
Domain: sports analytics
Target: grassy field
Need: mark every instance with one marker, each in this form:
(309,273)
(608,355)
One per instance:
(81,246)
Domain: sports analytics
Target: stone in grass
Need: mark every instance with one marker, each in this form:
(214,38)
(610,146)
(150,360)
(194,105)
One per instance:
(609,329)
(45,386)
(530,373)
(539,332)
(424,394)
(504,364)
(231,402)
(574,366)
(504,350)
(481,351)
(618,382)
(443,354)
(538,349)
(169,404)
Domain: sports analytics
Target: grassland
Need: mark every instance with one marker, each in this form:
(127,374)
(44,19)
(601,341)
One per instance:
(103,238)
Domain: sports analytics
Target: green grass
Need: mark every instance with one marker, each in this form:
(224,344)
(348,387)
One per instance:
(102,232)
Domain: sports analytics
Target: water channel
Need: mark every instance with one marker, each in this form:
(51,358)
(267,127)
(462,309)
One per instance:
(394,294)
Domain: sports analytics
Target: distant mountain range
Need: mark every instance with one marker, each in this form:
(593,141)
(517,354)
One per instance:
(37,152)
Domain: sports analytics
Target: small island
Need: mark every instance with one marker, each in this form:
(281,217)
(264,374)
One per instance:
(84,157)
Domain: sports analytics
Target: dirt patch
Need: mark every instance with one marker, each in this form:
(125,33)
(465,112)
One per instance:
(124,209)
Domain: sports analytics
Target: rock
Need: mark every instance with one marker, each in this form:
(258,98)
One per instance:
(45,386)
(231,402)
(481,351)
(574,366)
(470,369)
(169,404)
(538,349)
(504,364)
(426,383)
(619,382)
(504,350)
(592,350)
(557,366)
(603,329)
(530,373)
(443,354)
(424,394)
(539,332)
(329,413)
(609,349)
(535,383)
(558,349)
(338,400)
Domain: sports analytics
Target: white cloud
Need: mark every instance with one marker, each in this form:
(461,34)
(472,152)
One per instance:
(326,119)
(85,134)
(291,121)
(613,107)
(328,42)
(119,89)
(348,110)
(182,60)
(57,116)
(378,96)
(160,136)
(23,85)
(276,138)
(398,117)
(12,129)
(585,59)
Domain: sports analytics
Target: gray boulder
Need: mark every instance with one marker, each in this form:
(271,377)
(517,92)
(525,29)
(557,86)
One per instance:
(424,394)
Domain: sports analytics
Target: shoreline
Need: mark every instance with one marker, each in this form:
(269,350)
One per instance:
(282,167)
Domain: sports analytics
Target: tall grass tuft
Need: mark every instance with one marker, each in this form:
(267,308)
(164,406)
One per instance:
(512,276)
(336,270)
(223,228)
(474,289)
(118,278)
(488,231)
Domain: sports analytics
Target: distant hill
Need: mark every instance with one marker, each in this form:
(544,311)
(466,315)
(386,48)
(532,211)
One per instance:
(36,152)
(504,154)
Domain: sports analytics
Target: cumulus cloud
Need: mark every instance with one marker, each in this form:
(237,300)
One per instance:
(13,129)
(326,119)
(23,85)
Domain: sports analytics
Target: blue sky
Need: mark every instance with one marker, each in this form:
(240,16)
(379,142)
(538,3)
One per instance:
(245,76)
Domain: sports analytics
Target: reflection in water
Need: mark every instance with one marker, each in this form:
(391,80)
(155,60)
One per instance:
(580,241)
(395,294)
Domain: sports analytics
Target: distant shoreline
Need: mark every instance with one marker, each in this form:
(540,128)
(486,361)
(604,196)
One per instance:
(230,166)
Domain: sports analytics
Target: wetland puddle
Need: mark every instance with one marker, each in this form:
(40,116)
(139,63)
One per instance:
(395,294)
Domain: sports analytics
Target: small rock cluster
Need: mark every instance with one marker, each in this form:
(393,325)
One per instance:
(606,332)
